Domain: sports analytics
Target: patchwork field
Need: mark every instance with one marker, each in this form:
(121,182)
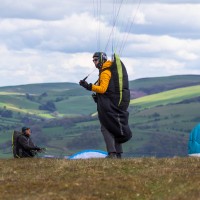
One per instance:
(61,117)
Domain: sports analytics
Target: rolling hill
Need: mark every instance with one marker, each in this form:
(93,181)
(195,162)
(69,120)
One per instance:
(168,97)
(146,86)
(60,116)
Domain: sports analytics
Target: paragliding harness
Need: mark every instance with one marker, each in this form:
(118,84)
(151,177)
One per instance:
(15,145)
(15,136)
(112,105)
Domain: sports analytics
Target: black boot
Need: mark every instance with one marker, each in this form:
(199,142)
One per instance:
(119,155)
(111,155)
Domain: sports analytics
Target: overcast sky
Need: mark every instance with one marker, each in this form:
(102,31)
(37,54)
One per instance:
(53,41)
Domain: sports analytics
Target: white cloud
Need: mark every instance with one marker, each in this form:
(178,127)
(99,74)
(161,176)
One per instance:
(36,67)
(48,41)
(139,18)
(155,67)
(187,55)
(173,18)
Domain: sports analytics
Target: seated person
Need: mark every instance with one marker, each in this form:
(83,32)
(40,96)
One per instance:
(25,147)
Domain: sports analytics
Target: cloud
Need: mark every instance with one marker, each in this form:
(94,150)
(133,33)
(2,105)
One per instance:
(30,66)
(48,41)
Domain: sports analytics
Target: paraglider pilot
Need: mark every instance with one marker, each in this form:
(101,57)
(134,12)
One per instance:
(25,147)
(113,116)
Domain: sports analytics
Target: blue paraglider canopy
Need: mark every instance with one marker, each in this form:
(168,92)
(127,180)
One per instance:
(194,142)
(86,154)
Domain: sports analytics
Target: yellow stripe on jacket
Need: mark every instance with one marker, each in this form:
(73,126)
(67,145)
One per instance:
(104,79)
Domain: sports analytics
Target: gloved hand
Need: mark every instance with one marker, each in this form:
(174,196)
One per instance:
(85,85)
(94,96)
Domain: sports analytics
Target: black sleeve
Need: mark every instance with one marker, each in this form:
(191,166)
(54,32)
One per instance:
(27,143)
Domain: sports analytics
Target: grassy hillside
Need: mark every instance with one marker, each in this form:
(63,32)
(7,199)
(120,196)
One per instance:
(164,130)
(169,97)
(160,84)
(93,179)
(66,101)
(160,122)
(72,100)
(39,88)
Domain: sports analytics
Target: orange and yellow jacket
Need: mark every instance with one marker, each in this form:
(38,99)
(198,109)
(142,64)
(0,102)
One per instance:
(104,79)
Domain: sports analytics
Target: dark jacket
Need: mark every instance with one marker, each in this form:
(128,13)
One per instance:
(25,146)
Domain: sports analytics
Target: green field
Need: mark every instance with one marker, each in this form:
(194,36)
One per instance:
(169,97)
(158,84)
(39,88)
(160,122)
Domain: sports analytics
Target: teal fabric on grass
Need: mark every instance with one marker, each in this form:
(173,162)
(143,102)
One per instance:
(194,140)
